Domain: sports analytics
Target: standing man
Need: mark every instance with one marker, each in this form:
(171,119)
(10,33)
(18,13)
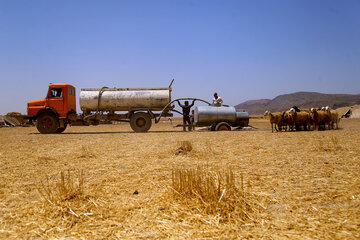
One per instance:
(186,114)
(217,101)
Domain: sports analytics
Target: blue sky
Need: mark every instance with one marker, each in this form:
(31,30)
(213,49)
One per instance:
(242,49)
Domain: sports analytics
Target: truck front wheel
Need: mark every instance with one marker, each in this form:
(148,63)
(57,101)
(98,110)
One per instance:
(140,122)
(47,123)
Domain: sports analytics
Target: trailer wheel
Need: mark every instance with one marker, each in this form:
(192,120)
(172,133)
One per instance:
(60,130)
(140,122)
(47,123)
(223,126)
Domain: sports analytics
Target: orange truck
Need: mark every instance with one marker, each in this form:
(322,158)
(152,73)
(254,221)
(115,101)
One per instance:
(138,106)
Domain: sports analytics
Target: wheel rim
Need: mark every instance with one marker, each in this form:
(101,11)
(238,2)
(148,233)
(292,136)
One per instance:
(140,122)
(223,128)
(46,123)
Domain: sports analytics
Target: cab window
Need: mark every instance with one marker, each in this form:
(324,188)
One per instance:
(71,92)
(55,92)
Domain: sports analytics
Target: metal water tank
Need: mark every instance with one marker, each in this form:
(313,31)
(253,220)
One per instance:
(212,115)
(124,99)
(207,115)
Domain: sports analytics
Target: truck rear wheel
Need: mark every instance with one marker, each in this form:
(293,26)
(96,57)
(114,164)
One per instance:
(223,126)
(47,123)
(140,122)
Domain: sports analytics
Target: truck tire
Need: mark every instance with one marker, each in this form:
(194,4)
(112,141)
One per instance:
(140,122)
(223,126)
(47,123)
(60,130)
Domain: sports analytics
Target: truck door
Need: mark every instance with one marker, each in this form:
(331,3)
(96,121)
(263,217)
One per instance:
(56,99)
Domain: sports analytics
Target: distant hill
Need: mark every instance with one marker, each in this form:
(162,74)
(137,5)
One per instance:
(300,99)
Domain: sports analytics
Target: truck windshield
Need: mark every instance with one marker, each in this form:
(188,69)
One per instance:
(55,92)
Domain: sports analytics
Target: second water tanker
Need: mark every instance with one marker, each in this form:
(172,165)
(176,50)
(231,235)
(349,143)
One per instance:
(220,115)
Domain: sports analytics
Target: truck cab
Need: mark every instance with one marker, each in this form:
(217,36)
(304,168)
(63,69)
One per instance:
(51,112)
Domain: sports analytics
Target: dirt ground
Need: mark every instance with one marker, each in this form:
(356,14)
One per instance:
(307,183)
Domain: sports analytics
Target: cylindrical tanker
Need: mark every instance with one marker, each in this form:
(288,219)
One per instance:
(212,115)
(124,99)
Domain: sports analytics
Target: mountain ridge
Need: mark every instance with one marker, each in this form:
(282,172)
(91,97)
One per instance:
(300,99)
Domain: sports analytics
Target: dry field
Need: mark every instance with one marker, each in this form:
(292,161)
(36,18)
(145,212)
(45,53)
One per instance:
(106,182)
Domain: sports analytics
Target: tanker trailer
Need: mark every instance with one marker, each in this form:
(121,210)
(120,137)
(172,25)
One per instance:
(138,104)
(220,118)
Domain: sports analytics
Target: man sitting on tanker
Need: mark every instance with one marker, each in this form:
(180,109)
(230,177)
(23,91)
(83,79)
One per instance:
(186,114)
(217,101)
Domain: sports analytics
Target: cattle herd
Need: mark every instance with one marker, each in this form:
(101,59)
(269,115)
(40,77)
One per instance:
(297,119)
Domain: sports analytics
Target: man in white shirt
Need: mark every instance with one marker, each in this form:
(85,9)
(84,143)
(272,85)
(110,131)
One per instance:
(217,101)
